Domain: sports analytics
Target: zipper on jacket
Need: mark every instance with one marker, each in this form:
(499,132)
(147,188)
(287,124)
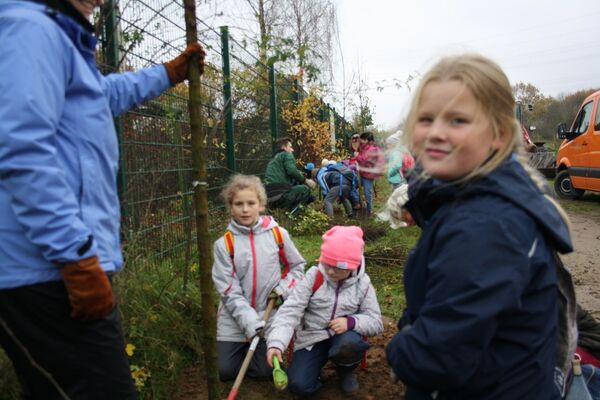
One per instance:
(337,292)
(253,300)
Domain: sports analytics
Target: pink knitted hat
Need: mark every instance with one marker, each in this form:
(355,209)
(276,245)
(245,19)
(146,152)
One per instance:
(343,247)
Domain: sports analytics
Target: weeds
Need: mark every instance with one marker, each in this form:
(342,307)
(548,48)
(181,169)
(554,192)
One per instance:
(162,324)
(9,385)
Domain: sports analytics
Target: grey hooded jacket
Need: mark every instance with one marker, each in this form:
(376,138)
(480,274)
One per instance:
(244,289)
(308,313)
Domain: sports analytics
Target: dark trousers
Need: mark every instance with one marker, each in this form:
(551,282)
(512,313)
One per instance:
(304,373)
(333,195)
(293,197)
(86,360)
(232,354)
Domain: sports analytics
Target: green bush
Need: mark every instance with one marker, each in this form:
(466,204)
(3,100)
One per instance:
(308,222)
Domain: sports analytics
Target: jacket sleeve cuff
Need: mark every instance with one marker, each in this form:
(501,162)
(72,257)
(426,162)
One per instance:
(351,322)
(276,344)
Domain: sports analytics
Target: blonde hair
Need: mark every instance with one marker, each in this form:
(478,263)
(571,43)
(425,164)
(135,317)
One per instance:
(240,182)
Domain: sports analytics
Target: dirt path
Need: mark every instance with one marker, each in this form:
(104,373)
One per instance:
(584,262)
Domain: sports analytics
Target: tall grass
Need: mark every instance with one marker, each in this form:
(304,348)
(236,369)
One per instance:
(162,321)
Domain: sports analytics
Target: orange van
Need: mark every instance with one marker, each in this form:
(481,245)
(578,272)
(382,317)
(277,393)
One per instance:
(578,157)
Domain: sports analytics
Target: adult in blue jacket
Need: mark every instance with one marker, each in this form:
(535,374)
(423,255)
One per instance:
(59,210)
(481,284)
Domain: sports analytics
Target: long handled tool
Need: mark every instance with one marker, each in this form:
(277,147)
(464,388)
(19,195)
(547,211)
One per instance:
(279,376)
(240,376)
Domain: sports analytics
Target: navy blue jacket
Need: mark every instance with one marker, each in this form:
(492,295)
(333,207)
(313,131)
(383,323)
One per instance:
(481,290)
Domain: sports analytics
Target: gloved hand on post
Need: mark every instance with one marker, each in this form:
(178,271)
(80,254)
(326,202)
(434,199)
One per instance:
(89,289)
(178,68)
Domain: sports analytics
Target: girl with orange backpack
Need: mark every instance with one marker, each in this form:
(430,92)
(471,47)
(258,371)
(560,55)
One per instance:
(247,272)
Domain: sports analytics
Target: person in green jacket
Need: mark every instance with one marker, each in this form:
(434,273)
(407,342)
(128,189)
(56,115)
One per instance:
(286,185)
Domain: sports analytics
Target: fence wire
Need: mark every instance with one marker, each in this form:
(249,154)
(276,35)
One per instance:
(155,138)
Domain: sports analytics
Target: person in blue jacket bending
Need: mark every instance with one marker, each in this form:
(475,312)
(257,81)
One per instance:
(59,210)
(481,284)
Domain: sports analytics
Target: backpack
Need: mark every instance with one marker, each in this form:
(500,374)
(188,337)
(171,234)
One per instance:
(337,175)
(319,279)
(228,236)
(567,327)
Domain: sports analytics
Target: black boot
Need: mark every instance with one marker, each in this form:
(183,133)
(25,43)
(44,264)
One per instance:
(347,378)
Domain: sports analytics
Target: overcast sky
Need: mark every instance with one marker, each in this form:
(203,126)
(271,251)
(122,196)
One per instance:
(552,44)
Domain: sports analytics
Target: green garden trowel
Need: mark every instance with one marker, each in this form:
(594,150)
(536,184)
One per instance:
(279,376)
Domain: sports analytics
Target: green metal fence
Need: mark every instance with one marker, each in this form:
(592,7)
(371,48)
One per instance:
(242,101)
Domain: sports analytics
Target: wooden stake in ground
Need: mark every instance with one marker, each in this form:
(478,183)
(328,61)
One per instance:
(200,185)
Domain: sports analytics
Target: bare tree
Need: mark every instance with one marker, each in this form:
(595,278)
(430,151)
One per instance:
(311,25)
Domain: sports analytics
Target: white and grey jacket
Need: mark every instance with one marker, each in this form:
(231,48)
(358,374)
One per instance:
(308,313)
(244,289)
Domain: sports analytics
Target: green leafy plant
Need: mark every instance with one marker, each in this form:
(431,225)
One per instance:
(309,221)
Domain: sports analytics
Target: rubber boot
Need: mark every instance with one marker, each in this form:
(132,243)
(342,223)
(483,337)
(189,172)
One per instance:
(347,378)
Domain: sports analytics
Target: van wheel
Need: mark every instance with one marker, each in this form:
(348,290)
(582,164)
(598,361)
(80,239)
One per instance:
(563,187)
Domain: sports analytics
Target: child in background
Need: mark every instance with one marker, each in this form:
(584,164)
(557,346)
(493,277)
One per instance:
(399,160)
(371,163)
(481,284)
(336,183)
(249,275)
(329,312)
(354,147)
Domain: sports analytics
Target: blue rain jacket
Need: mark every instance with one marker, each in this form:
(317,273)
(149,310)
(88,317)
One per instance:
(481,318)
(58,145)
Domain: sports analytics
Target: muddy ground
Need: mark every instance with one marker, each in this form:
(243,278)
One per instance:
(375,383)
(374,379)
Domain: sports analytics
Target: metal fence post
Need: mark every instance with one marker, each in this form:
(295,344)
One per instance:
(273,96)
(228,111)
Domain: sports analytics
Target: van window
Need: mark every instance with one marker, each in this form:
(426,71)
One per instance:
(597,120)
(582,123)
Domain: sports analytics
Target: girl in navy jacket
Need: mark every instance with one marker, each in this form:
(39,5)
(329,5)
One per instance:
(481,317)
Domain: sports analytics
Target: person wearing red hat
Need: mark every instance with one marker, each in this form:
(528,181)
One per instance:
(328,319)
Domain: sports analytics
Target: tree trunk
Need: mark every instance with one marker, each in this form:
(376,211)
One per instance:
(200,186)
(264,39)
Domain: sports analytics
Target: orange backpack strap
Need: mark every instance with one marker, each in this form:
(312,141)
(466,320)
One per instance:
(282,258)
(228,236)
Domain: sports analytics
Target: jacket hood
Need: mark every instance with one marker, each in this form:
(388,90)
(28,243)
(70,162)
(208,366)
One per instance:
(509,181)
(265,223)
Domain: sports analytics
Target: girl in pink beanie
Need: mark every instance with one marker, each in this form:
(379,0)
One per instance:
(329,312)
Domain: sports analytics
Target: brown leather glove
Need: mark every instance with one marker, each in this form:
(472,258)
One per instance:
(89,289)
(177,68)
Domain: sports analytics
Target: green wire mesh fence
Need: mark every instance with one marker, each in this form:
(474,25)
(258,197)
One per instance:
(242,100)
